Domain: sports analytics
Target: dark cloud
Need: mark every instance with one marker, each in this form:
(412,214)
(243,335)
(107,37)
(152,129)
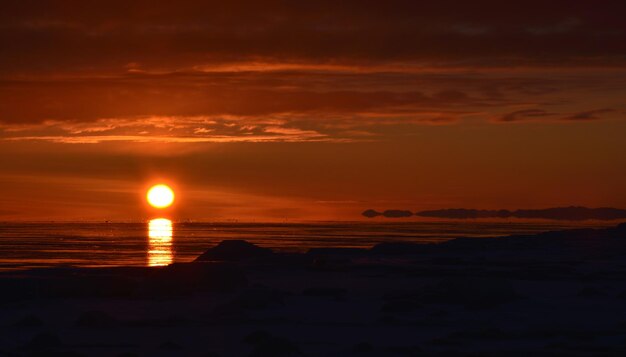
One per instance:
(87,35)
(541,114)
(589,115)
(526,114)
(91,100)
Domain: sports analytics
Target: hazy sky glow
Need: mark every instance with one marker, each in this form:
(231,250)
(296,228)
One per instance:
(309,110)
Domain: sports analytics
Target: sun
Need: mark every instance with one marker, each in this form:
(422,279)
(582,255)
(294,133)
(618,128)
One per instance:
(160,196)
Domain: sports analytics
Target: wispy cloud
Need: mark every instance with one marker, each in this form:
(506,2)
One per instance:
(589,115)
(543,115)
(526,114)
(164,129)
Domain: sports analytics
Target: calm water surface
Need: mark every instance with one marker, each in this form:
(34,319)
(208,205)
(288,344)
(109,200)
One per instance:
(161,242)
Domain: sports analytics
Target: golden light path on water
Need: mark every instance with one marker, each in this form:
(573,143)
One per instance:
(160,234)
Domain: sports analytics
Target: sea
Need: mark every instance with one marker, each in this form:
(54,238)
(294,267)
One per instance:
(28,245)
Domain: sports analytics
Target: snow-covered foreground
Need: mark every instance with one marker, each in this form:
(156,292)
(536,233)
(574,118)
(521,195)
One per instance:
(552,294)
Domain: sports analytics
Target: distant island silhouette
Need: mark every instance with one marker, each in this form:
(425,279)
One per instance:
(572,213)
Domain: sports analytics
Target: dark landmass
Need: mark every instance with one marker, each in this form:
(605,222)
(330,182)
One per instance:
(558,213)
(572,213)
(462,213)
(550,294)
(370,213)
(392,213)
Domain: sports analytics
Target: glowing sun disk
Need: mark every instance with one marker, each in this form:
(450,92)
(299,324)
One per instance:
(160,196)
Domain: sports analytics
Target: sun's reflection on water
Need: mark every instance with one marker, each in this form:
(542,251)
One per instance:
(160,234)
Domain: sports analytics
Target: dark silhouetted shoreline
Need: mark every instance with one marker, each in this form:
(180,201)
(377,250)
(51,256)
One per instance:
(572,213)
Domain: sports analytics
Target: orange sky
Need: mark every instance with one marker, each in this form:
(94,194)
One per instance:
(309,111)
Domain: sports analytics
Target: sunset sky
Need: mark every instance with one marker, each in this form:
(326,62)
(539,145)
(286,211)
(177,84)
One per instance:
(309,110)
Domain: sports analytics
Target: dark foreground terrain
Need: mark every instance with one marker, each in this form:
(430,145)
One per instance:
(552,294)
